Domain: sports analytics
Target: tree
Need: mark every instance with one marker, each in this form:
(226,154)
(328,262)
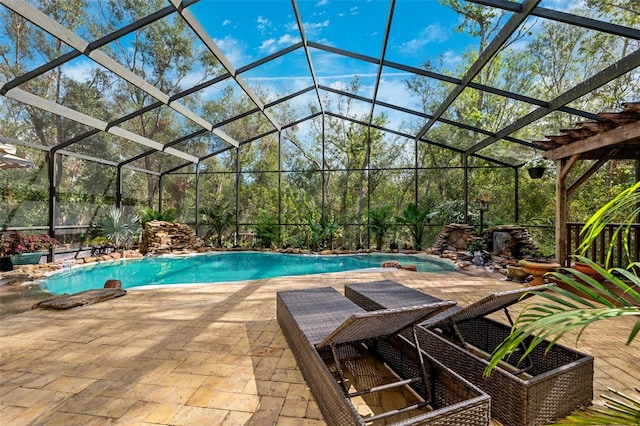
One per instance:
(163,54)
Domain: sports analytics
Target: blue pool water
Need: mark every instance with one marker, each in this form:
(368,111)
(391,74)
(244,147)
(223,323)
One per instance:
(221,267)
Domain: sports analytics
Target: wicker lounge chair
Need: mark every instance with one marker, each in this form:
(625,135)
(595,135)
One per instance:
(325,331)
(550,386)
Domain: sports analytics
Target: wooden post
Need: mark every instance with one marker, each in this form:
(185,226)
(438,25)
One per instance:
(561,212)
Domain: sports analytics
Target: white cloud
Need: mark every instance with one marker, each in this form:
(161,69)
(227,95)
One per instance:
(565,5)
(430,34)
(268,45)
(288,39)
(232,49)
(279,86)
(354,10)
(80,69)
(322,3)
(271,45)
(314,28)
(263,24)
(226,22)
(291,26)
(451,57)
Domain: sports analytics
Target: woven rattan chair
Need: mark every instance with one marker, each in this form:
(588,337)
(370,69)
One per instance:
(550,385)
(323,327)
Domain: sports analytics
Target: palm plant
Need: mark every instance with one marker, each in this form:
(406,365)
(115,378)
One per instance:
(149,214)
(322,233)
(121,230)
(625,208)
(416,220)
(218,218)
(562,311)
(379,224)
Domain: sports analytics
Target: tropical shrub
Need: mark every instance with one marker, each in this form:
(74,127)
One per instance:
(18,243)
(379,224)
(149,214)
(267,231)
(415,219)
(322,234)
(218,218)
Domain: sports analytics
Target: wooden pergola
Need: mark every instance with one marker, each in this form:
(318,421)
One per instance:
(616,137)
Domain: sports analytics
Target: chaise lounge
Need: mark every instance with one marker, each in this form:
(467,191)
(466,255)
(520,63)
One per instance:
(547,386)
(328,333)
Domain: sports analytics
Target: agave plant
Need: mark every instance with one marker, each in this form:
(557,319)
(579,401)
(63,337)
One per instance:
(120,229)
(561,311)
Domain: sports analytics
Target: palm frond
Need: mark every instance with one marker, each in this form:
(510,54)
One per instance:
(618,410)
(562,311)
(624,208)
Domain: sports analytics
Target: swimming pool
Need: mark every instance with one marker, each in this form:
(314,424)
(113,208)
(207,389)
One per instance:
(222,267)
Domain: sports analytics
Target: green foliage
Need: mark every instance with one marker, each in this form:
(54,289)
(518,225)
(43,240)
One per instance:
(322,234)
(218,218)
(149,214)
(618,410)
(538,161)
(450,212)
(553,318)
(477,245)
(379,224)
(98,241)
(18,243)
(119,228)
(267,231)
(624,208)
(415,219)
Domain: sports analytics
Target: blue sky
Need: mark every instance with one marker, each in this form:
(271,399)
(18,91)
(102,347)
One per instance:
(246,31)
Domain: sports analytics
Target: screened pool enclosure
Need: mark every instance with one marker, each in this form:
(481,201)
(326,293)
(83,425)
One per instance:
(290,112)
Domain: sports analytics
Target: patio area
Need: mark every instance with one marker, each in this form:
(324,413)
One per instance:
(210,354)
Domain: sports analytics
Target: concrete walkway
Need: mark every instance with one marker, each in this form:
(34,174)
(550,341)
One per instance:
(208,355)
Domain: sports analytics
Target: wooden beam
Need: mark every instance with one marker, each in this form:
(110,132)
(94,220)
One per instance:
(620,134)
(568,166)
(586,175)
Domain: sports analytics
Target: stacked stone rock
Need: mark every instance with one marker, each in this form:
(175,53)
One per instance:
(453,238)
(519,240)
(161,237)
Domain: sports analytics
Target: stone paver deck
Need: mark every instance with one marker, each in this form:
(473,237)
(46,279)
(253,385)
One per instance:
(208,355)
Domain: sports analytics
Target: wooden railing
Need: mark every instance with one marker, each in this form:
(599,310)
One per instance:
(601,245)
